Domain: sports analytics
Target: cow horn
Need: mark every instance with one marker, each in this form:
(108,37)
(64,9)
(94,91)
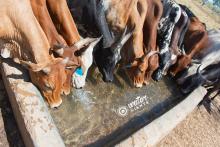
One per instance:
(96,41)
(183,52)
(195,61)
(148,55)
(200,74)
(199,70)
(151,53)
(81,43)
(124,38)
(59,51)
(46,70)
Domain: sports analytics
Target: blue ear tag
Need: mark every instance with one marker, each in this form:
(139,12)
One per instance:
(79,71)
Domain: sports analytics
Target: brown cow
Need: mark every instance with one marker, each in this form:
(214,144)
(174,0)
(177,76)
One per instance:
(196,39)
(23,39)
(145,60)
(61,17)
(63,20)
(133,50)
(155,10)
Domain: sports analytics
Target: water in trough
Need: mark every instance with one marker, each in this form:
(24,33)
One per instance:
(103,114)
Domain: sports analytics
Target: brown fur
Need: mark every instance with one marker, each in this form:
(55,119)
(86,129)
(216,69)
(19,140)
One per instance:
(195,41)
(19,25)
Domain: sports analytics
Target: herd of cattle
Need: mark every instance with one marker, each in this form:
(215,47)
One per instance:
(147,38)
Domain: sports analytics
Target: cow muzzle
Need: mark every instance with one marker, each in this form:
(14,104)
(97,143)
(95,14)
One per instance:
(108,77)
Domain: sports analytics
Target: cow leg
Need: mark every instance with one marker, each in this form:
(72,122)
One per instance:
(63,20)
(41,13)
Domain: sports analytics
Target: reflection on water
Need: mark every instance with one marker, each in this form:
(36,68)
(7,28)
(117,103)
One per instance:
(101,113)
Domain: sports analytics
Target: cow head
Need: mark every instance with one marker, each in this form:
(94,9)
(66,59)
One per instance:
(80,53)
(182,63)
(193,81)
(49,78)
(107,58)
(208,75)
(137,69)
(79,76)
(166,61)
(164,64)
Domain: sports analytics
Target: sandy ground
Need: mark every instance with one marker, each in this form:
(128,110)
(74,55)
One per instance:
(199,129)
(202,127)
(211,19)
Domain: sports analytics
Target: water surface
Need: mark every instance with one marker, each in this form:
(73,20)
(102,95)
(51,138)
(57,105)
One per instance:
(103,114)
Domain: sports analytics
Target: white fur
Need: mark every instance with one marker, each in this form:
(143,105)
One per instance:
(163,24)
(5,53)
(87,59)
(106,4)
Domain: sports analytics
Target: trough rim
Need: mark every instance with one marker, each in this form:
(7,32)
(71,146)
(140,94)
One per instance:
(200,91)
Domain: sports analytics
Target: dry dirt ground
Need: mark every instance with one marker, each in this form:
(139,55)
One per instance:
(202,127)
(199,129)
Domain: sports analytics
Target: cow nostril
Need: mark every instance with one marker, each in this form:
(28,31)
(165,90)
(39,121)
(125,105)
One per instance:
(110,80)
(107,79)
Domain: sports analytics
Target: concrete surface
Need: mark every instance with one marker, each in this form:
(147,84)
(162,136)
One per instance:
(151,134)
(31,113)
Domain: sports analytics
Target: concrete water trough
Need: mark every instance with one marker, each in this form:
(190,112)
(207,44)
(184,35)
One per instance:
(100,114)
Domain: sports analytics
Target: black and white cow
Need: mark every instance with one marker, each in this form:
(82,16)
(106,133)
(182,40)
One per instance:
(170,17)
(90,16)
(207,68)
